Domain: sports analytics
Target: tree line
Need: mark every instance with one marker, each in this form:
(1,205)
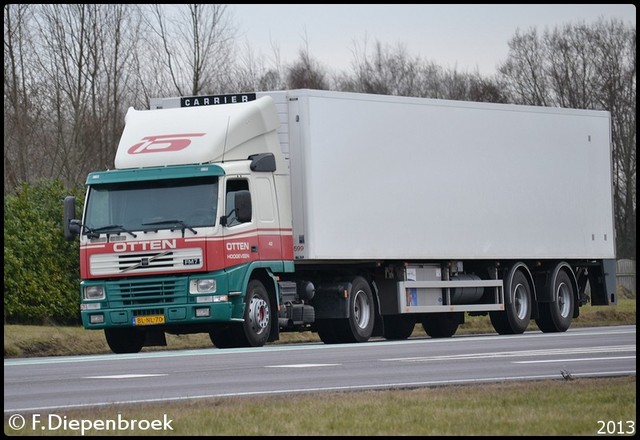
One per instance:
(72,70)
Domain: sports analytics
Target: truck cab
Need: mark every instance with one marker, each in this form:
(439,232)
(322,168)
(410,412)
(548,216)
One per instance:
(171,239)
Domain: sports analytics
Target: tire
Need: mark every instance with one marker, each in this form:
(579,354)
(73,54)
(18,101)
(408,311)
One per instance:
(361,312)
(556,316)
(257,315)
(124,340)
(517,313)
(442,325)
(398,327)
(227,336)
(254,331)
(328,330)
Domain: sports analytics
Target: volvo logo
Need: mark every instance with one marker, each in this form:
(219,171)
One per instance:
(144,262)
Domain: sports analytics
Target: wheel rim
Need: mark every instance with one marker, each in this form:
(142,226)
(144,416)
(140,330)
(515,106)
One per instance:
(258,315)
(361,309)
(564,300)
(521,301)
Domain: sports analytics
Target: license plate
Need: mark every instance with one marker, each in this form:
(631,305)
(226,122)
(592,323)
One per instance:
(149,320)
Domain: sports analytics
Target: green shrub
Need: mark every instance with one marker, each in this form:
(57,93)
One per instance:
(41,269)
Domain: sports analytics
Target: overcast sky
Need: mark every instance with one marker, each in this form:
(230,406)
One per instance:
(466,37)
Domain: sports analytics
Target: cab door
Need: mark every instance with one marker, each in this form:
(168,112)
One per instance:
(240,234)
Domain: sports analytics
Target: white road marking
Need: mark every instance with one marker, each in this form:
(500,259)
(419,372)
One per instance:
(301,365)
(125,376)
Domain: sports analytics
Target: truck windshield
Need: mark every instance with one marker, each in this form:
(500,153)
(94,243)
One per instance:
(152,205)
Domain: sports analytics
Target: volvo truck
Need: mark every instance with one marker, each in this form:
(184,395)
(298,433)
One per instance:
(351,215)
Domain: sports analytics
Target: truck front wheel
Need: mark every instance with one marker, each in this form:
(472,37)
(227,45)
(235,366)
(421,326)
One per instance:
(254,331)
(257,315)
(124,340)
(227,335)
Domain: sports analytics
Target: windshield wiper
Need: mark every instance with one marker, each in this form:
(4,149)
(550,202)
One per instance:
(173,222)
(90,232)
(119,228)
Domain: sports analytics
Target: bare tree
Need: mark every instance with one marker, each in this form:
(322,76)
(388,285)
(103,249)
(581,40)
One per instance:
(252,73)
(306,73)
(193,47)
(19,82)
(83,55)
(119,35)
(483,89)
(391,71)
(64,60)
(523,71)
(371,71)
(568,67)
(71,72)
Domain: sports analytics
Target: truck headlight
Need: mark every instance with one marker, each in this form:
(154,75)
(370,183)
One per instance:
(94,293)
(205,285)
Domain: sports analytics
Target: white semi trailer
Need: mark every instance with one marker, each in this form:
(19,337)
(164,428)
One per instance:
(351,215)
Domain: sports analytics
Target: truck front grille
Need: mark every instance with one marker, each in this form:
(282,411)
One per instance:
(147,291)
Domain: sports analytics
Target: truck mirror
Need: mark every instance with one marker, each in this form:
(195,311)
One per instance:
(243,206)
(70,224)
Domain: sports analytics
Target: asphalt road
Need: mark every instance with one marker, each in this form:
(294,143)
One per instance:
(38,384)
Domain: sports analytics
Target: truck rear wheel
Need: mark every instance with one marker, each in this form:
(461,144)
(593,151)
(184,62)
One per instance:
(330,330)
(398,326)
(124,340)
(361,312)
(442,325)
(556,316)
(517,312)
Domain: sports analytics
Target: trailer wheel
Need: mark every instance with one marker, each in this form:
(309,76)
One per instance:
(556,316)
(398,326)
(517,313)
(361,312)
(124,340)
(442,325)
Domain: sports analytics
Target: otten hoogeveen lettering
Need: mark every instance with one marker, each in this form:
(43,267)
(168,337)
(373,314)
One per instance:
(154,245)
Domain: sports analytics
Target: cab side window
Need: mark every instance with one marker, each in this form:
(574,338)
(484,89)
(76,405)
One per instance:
(233,186)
